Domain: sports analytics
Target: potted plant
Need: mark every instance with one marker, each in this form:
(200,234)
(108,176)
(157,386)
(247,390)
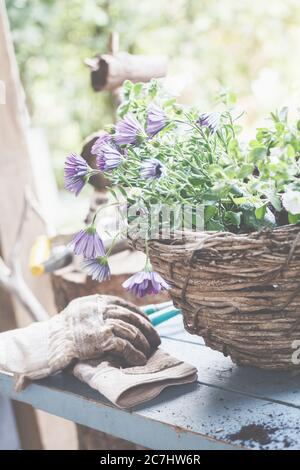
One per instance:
(236,278)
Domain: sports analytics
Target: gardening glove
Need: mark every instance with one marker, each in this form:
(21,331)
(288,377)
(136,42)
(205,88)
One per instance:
(88,327)
(131,386)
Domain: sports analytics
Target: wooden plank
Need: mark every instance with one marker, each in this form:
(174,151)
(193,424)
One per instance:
(218,370)
(9,438)
(65,396)
(187,417)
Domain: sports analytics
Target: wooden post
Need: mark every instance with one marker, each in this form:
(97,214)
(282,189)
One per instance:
(14,176)
(109,71)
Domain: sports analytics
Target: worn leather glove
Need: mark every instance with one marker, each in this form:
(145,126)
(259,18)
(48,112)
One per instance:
(131,386)
(89,327)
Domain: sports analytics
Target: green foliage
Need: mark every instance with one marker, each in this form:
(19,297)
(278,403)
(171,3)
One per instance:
(242,187)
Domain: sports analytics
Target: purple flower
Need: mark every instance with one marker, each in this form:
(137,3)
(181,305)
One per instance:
(104,138)
(88,243)
(151,168)
(109,158)
(97,268)
(145,282)
(210,120)
(128,130)
(76,173)
(156,120)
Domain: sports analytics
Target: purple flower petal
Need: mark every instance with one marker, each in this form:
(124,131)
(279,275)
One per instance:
(156,120)
(88,243)
(128,130)
(104,138)
(210,120)
(76,172)
(145,282)
(151,169)
(109,159)
(97,268)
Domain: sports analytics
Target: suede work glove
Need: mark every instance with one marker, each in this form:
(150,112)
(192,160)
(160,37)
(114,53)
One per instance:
(89,327)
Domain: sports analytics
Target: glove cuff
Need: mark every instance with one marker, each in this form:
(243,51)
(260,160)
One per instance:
(61,344)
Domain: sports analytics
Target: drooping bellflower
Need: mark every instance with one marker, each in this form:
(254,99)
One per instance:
(97,268)
(88,243)
(76,173)
(145,282)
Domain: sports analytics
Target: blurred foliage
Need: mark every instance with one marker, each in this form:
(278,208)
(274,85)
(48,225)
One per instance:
(250,46)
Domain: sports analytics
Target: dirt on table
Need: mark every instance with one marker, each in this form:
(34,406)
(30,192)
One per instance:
(253,432)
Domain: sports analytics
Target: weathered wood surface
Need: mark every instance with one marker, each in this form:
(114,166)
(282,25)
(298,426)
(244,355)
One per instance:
(229,406)
(109,71)
(9,436)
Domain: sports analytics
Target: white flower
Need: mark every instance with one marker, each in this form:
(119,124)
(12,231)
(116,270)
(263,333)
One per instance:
(291,201)
(275,155)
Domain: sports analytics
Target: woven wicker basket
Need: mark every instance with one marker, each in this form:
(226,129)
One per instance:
(240,292)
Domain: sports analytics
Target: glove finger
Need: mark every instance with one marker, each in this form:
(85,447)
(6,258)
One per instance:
(129,354)
(118,301)
(143,324)
(130,333)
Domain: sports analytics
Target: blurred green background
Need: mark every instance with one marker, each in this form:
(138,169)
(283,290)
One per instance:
(249,47)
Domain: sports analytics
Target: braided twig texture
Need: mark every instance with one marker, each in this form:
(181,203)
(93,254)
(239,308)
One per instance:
(240,292)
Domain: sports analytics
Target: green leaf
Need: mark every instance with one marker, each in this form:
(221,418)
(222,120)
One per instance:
(274,199)
(123,108)
(290,151)
(258,154)
(245,171)
(215,226)
(127,85)
(233,218)
(210,212)
(137,88)
(113,193)
(250,220)
(240,200)
(260,212)
(279,127)
(123,191)
(210,196)
(293,219)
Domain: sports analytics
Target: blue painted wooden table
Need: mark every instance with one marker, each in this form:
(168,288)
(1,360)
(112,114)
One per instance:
(229,407)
